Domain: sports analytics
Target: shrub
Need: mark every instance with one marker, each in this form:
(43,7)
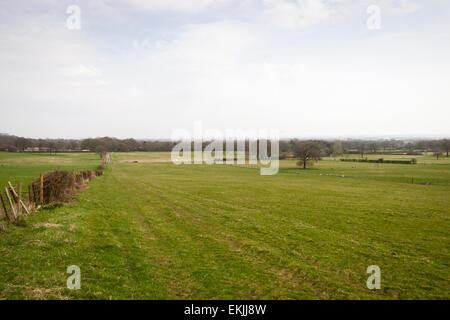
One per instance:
(57,186)
(381,160)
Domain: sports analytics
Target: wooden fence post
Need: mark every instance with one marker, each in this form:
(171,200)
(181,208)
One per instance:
(34,193)
(13,191)
(14,197)
(41,194)
(29,195)
(19,198)
(4,207)
(24,207)
(11,203)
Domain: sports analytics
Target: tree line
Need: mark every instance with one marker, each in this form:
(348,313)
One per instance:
(305,150)
(21,144)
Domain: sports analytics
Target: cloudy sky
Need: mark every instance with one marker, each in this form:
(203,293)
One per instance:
(144,68)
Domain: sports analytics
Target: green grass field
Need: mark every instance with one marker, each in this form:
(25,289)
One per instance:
(154,230)
(26,167)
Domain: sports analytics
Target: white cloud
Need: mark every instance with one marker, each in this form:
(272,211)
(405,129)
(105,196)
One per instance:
(296,14)
(190,6)
(399,7)
(81,70)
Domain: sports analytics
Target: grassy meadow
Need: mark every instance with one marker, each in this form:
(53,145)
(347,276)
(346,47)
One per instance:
(26,167)
(149,229)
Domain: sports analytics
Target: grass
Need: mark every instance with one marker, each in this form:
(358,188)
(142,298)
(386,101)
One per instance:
(26,167)
(154,230)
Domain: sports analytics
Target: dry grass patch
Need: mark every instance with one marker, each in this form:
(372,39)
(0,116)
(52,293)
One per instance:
(46,225)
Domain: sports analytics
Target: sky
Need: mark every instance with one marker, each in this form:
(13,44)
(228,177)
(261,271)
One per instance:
(146,68)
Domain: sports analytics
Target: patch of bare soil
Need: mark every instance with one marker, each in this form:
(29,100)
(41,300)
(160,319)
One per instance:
(46,225)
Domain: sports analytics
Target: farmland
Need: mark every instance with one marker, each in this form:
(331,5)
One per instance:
(149,229)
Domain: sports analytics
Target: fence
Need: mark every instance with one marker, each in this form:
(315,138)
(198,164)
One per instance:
(49,188)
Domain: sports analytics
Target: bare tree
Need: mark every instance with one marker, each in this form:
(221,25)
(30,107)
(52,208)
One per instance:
(437,153)
(373,147)
(22,143)
(445,145)
(362,149)
(101,151)
(52,147)
(338,150)
(74,145)
(306,152)
(59,145)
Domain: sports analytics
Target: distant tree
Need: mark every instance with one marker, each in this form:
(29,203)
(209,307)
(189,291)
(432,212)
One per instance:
(337,149)
(362,149)
(325,148)
(427,145)
(59,145)
(51,145)
(373,147)
(87,144)
(101,151)
(74,145)
(385,144)
(12,149)
(410,146)
(41,143)
(437,153)
(22,143)
(306,152)
(445,145)
(284,146)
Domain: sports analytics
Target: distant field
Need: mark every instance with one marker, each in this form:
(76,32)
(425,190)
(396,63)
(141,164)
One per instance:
(26,167)
(149,229)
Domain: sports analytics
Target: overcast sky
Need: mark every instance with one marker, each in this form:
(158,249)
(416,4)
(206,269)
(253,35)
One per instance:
(144,68)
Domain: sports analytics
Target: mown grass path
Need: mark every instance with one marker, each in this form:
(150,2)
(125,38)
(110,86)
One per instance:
(159,231)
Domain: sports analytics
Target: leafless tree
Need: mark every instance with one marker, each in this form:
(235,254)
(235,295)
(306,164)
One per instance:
(373,147)
(101,151)
(22,143)
(362,149)
(445,145)
(338,149)
(306,152)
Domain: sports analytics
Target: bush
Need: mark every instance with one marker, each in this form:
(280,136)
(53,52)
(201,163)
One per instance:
(381,160)
(59,185)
